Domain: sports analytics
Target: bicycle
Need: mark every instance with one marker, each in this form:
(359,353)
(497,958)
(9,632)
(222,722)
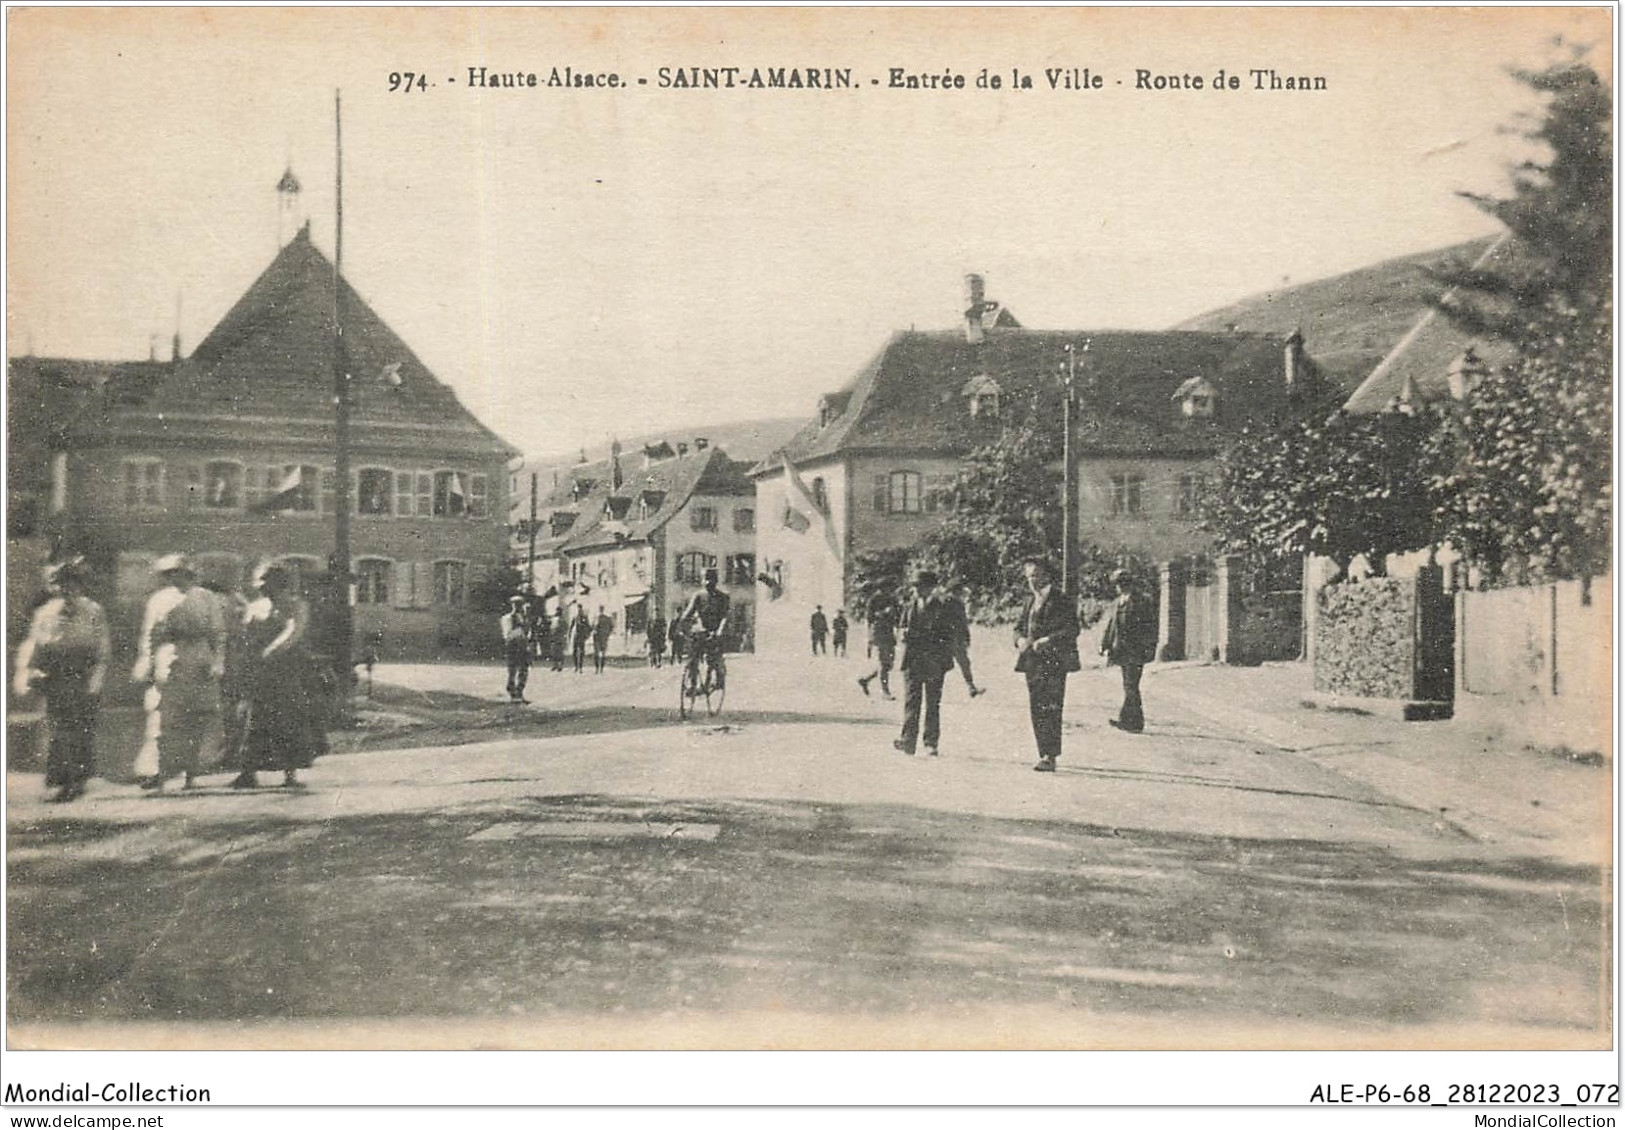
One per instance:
(692,686)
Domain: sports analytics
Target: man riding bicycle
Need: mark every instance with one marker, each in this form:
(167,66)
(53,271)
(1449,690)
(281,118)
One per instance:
(707,611)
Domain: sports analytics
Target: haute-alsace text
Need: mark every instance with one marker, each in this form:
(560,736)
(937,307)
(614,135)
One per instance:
(484,78)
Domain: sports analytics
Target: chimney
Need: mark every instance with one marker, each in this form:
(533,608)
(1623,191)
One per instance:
(701,443)
(682,450)
(615,465)
(1294,362)
(974,300)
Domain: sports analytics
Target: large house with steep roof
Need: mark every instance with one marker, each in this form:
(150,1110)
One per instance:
(879,459)
(229,455)
(634,537)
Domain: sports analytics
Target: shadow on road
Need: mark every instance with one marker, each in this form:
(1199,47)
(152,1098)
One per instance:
(547,907)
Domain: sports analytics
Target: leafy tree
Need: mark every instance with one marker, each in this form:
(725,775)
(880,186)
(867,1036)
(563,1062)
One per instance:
(491,592)
(1341,488)
(880,571)
(1524,471)
(1007,507)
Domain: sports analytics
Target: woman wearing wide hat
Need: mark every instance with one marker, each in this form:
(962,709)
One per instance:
(65,658)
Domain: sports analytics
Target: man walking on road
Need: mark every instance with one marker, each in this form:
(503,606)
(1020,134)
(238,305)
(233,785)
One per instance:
(580,633)
(1046,653)
(819,625)
(603,627)
(931,626)
(883,642)
(515,625)
(837,632)
(1129,641)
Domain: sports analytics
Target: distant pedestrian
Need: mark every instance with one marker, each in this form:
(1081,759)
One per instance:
(65,658)
(1046,653)
(962,653)
(558,640)
(819,626)
(837,632)
(931,626)
(657,639)
(181,655)
(515,628)
(284,729)
(580,635)
(674,633)
(1129,641)
(882,643)
(602,629)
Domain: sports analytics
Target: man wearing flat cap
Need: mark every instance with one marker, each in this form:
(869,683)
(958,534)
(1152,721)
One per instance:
(1129,641)
(181,656)
(515,626)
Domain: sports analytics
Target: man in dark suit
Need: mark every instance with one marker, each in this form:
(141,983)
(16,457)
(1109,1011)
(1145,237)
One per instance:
(1046,652)
(931,626)
(1129,641)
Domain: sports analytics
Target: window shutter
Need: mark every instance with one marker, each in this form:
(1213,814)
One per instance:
(404,497)
(422,582)
(401,591)
(194,486)
(477,492)
(425,494)
(880,493)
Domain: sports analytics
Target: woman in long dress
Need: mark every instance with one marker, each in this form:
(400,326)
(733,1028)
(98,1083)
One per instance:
(65,657)
(283,729)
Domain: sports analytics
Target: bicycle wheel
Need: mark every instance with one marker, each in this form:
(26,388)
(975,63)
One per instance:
(686,691)
(716,685)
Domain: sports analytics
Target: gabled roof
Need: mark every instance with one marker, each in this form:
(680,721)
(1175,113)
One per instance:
(271,356)
(909,396)
(609,517)
(1416,369)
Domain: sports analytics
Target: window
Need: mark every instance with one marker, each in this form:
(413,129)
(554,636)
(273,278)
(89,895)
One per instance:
(450,495)
(703,518)
(1192,487)
(939,493)
(478,496)
(144,484)
(372,578)
(741,569)
(691,566)
(1128,492)
(223,486)
(450,583)
(903,492)
(375,492)
(559,523)
(295,488)
(820,494)
(329,491)
(744,521)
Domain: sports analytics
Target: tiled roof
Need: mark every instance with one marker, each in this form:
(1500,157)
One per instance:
(670,482)
(271,356)
(911,394)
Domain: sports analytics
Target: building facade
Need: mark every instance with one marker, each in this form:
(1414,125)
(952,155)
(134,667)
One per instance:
(229,455)
(634,537)
(877,463)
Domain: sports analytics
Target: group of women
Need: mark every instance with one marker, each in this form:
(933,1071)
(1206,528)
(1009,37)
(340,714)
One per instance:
(227,679)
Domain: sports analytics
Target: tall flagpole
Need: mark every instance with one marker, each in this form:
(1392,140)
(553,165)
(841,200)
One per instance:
(339,573)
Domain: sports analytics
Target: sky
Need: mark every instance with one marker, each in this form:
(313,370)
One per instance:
(582,262)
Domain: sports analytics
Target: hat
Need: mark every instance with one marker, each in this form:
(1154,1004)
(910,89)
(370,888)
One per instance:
(173,563)
(517,598)
(927,578)
(1121,577)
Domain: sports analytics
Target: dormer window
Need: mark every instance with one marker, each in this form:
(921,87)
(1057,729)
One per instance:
(981,395)
(1198,399)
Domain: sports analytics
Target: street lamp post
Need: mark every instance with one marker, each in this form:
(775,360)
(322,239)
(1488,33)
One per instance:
(1069,507)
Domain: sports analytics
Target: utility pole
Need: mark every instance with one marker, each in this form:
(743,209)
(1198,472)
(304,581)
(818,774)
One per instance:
(339,573)
(530,557)
(1069,508)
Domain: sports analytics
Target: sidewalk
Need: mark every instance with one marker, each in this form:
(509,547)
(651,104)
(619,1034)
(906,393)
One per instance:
(1496,792)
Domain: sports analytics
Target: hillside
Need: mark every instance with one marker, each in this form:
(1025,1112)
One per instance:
(1351,321)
